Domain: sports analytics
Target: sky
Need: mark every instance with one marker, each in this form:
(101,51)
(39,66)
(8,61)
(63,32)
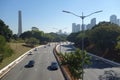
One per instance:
(47,15)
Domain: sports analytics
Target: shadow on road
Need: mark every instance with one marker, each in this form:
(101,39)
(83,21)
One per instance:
(99,64)
(49,68)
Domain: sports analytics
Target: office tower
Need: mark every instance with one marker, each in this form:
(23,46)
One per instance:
(92,24)
(113,19)
(75,28)
(19,23)
(118,22)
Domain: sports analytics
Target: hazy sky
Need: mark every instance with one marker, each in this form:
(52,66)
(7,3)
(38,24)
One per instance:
(47,15)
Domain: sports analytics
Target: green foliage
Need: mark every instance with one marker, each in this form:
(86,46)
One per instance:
(72,37)
(118,44)
(42,37)
(26,34)
(5,50)
(105,36)
(57,37)
(31,41)
(74,62)
(5,31)
(103,39)
(2,44)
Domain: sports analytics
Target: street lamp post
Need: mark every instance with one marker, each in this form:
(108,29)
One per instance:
(82,17)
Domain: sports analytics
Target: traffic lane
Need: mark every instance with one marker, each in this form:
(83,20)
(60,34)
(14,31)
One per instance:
(66,48)
(99,64)
(97,68)
(42,71)
(48,74)
(39,71)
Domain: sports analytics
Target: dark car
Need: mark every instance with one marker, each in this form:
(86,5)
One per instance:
(31,63)
(54,66)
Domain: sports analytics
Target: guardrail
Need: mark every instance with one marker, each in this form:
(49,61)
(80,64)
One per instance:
(105,60)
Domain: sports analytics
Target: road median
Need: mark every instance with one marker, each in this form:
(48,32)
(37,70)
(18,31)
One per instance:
(63,70)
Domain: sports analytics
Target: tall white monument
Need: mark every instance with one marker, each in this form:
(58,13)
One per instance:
(19,23)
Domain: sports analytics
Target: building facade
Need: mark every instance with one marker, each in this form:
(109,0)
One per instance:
(92,24)
(113,19)
(75,27)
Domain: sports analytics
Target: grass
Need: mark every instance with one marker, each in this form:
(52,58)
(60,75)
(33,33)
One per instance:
(18,49)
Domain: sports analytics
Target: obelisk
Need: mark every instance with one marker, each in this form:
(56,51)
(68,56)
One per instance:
(19,23)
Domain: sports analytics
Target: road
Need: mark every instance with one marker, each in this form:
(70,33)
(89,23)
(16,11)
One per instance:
(96,69)
(43,58)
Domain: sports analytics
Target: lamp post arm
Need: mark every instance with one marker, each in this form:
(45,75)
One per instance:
(93,13)
(71,13)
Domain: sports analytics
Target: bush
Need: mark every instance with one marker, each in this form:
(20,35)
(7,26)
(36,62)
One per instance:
(5,50)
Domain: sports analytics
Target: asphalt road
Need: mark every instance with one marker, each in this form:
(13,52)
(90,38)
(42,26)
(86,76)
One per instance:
(96,69)
(41,71)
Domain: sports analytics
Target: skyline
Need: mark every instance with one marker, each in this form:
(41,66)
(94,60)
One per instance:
(48,16)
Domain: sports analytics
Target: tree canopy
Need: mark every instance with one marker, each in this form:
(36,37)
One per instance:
(5,31)
(43,37)
(75,62)
(103,39)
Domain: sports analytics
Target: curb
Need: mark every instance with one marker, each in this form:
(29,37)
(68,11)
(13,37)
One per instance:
(61,68)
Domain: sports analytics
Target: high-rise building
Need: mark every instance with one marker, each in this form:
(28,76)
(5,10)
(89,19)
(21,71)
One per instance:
(92,23)
(118,22)
(75,27)
(113,19)
(19,23)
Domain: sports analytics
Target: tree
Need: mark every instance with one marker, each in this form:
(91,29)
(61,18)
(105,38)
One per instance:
(104,36)
(72,37)
(2,44)
(74,62)
(31,41)
(5,50)
(26,34)
(5,31)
